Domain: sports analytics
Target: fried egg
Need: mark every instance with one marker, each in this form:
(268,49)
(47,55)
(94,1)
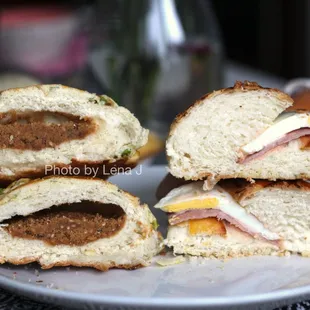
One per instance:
(284,124)
(192,197)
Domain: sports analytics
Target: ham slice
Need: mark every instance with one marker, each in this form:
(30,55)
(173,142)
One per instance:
(176,218)
(293,135)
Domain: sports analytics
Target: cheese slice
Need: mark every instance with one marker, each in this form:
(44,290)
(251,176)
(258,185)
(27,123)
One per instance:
(207,203)
(207,226)
(285,123)
(188,197)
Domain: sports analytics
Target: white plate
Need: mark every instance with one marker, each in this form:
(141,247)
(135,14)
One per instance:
(199,283)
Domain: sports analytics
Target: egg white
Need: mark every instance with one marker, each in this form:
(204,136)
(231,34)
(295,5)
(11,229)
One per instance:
(227,204)
(285,123)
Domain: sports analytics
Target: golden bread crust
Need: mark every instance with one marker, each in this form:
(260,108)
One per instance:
(241,189)
(98,266)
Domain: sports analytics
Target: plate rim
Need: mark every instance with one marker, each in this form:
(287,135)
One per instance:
(30,289)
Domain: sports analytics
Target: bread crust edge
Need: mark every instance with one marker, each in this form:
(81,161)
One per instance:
(71,263)
(238,87)
(104,169)
(241,189)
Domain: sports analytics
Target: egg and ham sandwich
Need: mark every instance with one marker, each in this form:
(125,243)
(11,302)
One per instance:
(238,218)
(237,157)
(240,132)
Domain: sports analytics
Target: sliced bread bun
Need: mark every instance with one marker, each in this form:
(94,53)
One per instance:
(62,221)
(282,207)
(205,141)
(47,126)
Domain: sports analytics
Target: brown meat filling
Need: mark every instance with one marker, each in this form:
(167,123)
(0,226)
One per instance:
(38,130)
(75,224)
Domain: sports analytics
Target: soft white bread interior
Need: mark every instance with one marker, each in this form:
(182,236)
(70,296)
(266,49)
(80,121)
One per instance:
(118,133)
(282,207)
(131,247)
(205,141)
(234,244)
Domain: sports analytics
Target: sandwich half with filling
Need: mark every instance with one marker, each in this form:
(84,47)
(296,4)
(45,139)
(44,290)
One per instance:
(238,218)
(44,127)
(77,221)
(240,132)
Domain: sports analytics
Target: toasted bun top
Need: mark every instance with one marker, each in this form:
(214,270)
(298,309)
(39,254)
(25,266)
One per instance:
(118,133)
(206,140)
(239,87)
(54,98)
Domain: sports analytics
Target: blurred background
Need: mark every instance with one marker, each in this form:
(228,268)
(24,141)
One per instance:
(154,56)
